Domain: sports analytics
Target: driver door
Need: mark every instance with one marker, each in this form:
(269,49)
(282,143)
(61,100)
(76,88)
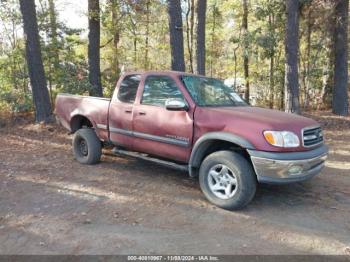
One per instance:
(158,131)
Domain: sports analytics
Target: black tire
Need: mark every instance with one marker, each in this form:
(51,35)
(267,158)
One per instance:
(86,146)
(243,173)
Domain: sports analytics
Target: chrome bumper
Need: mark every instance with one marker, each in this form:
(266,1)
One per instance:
(279,168)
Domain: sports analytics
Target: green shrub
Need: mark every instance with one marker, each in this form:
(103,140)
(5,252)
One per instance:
(16,100)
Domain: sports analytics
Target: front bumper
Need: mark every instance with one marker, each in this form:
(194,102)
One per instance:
(280,168)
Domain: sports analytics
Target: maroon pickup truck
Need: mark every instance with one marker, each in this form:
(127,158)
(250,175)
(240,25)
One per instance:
(200,125)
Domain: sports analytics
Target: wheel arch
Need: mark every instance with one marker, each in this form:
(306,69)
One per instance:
(78,121)
(215,141)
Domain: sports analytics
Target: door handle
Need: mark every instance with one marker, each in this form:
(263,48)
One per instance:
(128,111)
(142,113)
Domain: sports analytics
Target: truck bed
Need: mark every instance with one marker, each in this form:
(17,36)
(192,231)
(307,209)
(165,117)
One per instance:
(73,106)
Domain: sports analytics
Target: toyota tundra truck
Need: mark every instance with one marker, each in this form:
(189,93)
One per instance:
(197,124)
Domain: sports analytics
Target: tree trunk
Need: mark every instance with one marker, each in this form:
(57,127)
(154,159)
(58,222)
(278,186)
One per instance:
(280,87)
(246,49)
(272,64)
(340,92)
(43,111)
(94,47)
(328,81)
(189,31)
(200,51)
(135,50)
(212,39)
(235,68)
(53,31)
(272,81)
(291,51)
(192,32)
(116,38)
(307,82)
(328,71)
(176,35)
(146,66)
(282,104)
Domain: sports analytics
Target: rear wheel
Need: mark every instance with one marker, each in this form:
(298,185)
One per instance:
(86,146)
(227,180)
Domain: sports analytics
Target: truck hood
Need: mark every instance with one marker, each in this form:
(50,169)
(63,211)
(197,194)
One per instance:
(250,123)
(273,119)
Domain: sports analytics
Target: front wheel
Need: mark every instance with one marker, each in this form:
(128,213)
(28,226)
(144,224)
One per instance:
(227,180)
(86,146)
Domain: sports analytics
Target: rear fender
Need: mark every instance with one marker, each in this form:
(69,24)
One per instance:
(77,113)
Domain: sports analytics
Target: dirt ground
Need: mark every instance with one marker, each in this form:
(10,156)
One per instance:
(51,204)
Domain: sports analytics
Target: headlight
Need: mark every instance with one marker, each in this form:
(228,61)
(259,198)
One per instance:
(282,138)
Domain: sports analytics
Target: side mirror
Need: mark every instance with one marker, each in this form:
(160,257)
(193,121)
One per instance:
(173,104)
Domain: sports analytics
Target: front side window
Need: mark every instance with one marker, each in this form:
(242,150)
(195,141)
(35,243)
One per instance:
(158,89)
(128,88)
(211,92)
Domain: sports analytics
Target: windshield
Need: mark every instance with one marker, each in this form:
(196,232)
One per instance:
(211,92)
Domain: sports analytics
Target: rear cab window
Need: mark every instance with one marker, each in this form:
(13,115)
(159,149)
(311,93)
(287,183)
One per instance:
(128,88)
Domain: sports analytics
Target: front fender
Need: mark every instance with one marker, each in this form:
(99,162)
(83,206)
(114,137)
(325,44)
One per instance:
(204,142)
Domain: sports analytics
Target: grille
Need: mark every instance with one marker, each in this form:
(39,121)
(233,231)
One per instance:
(312,136)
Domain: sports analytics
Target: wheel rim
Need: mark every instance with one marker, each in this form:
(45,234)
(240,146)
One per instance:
(222,181)
(83,147)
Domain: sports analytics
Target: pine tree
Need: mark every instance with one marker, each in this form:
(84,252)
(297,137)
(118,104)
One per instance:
(94,47)
(176,35)
(200,51)
(340,91)
(291,64)
(43,111)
